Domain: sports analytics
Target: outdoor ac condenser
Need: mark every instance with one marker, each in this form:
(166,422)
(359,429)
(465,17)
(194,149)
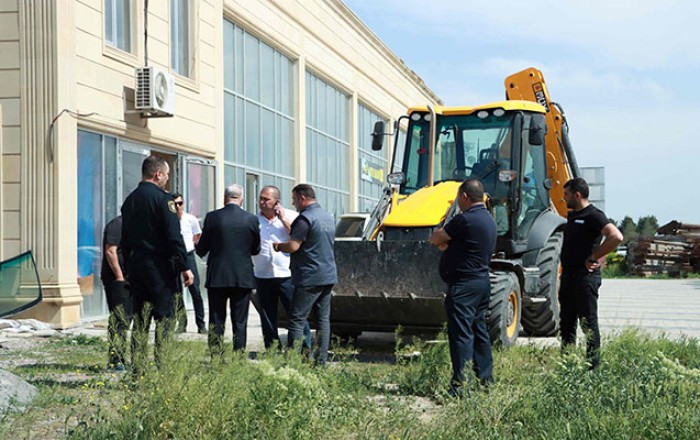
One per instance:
(155,92)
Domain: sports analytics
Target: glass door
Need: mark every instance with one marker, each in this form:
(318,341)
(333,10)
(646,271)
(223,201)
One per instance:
(252,189)
(93,185)
(200,197)
(200,192)
(108,170)
(132,156)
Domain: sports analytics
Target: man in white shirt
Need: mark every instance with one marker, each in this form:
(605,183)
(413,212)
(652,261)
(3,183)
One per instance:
(191,231)
(272,274)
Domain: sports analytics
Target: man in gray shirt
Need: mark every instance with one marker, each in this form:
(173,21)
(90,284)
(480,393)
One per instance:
(313,267)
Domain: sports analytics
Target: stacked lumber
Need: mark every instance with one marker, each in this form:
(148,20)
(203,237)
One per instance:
(675,251)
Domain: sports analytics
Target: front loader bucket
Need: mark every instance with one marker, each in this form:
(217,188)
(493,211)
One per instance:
(381,288)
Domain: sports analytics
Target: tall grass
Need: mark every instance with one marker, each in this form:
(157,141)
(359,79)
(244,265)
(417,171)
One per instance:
(645,388)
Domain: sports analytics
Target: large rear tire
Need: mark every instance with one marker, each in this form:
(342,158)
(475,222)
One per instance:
(505,306)
(541,311)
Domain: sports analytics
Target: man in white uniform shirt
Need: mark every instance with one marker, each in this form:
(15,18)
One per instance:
(272,274)
(191,231)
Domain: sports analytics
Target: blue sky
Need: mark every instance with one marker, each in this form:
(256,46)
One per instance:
(627,74)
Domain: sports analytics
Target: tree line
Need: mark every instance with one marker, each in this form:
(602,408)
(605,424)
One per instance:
(645,227)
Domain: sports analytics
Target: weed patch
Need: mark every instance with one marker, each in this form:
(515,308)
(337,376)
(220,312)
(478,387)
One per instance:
(644,388)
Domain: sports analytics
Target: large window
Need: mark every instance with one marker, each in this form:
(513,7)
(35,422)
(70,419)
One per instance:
(328,143)
(97,189)
(258,115)
(109,169)
(466,146)
(118,24)
(181,36)
(373,164)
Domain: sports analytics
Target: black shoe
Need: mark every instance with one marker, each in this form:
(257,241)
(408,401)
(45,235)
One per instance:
(456,391)
(486,382)
(202,331)
(116,368)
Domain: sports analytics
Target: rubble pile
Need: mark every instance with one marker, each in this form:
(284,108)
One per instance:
(674,250)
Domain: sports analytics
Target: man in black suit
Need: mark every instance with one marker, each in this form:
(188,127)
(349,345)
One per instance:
(230,236)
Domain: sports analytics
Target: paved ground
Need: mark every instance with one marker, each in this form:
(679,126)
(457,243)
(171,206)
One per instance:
(670,306)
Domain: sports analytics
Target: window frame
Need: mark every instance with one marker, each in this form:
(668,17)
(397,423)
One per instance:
(128,57)
(248,114)
(113,40)
(324,126)
(189,78)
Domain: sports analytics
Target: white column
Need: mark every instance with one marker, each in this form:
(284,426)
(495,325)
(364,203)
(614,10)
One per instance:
(48,202)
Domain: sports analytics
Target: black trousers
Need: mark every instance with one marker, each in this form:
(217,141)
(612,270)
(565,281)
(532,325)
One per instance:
(239,302)
(270,292)
(578,302)
(197,301)
(120,315)
(466,304)
(153,285)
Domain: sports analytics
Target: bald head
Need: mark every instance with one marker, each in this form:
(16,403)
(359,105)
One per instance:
(473,189)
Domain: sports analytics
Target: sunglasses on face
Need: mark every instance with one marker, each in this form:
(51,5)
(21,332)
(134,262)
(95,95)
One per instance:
(179,203)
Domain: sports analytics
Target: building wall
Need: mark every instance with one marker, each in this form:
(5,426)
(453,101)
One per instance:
(58,76)
(105,78)
(9,129)
(595,177)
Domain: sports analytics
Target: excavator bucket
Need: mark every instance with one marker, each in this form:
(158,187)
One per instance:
(382,285)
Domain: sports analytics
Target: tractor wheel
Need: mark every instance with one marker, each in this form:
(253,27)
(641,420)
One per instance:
(541,313)
(503,316)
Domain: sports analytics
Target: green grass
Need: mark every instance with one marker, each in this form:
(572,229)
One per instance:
(645,388)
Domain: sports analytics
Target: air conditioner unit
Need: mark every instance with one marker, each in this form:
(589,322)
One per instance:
(155,92)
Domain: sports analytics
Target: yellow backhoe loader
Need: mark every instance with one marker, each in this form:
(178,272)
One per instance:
(519,149)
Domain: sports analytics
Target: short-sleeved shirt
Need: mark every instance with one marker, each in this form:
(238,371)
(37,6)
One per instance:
(189,227)
(581,237)
(112,237)
(269,264)
(473,241)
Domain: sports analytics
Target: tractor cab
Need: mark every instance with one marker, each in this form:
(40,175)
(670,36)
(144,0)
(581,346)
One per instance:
(501,144)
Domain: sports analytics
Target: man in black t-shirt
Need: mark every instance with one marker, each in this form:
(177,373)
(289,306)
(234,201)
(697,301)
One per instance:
(467,242)
(118,294)
(580,279)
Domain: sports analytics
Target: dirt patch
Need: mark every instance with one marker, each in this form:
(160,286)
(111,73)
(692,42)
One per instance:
(69,378)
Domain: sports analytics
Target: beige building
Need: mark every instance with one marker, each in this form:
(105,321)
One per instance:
(262,92)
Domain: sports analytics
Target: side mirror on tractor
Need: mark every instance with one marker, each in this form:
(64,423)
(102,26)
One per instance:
(538,128)
(378,136)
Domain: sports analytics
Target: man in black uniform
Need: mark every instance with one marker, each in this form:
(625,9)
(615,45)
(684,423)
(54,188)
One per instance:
(117,292)
(154,254)
(580,278)
(467,242)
